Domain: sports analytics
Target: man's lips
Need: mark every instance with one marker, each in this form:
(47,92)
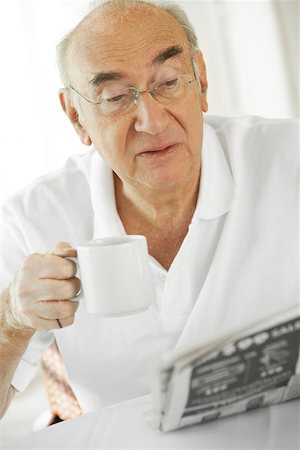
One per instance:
(157,151)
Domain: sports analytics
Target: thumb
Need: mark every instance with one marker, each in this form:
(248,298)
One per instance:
(64,249)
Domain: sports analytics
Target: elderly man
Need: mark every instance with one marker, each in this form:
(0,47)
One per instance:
(216,201)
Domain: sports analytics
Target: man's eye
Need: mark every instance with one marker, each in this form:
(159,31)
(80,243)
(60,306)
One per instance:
(116,98)
(169,84)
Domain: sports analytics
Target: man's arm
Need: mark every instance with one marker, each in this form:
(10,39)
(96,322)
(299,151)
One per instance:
(38,299)
(13,343)
(9,397)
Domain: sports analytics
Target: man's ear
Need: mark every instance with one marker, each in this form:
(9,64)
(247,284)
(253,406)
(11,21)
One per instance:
(68,106)
(200,74)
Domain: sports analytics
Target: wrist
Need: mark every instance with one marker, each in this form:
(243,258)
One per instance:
(9,326)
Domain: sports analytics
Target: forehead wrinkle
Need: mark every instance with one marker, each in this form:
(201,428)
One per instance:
(162,56)
(127,52)
(102,46)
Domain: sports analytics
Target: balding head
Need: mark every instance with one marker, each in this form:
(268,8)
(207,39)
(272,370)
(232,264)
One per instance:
(105,20)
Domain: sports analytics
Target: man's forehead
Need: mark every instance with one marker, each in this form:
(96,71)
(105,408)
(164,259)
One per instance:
(144,34)
(160,58)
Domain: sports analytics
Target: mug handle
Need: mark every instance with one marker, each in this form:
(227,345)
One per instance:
(78,296)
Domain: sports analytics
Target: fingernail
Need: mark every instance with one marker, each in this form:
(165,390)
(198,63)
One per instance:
(63,251)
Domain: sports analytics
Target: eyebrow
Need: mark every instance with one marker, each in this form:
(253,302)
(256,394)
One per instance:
(101,77)
(160,58)
(167,53)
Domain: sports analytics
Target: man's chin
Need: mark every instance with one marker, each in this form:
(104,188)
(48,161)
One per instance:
(163,180)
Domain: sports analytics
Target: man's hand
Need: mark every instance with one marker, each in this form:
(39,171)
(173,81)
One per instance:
(40,295)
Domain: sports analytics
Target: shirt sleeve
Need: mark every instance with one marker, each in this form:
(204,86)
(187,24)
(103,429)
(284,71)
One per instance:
(13,250)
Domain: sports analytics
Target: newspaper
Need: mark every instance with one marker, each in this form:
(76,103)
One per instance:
(261,367)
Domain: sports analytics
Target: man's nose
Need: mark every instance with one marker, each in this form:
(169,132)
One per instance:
(150,116)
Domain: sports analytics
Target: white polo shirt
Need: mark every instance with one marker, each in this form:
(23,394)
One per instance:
(237,265)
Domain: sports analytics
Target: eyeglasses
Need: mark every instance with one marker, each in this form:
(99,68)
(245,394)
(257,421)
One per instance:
(121,99)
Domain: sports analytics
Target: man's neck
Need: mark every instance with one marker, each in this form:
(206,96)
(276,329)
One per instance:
(163,217)
(155,208)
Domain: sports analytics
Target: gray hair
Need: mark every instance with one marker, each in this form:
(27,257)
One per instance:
(170,7)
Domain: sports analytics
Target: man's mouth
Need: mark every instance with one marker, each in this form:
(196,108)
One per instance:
(157,151)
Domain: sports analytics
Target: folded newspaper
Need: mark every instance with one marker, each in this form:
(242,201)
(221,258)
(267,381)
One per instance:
(261,367)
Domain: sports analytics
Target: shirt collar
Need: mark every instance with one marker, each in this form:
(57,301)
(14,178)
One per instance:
(216,192)
(107,221)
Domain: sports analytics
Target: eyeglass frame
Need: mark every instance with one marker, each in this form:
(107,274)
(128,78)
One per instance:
(136,92)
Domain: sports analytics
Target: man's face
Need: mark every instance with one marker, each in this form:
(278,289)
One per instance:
(151,146)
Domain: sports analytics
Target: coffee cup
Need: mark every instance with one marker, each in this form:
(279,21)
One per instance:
(115,275)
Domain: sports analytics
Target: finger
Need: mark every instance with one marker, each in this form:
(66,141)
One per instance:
(39,323)
(55,309)
(64,249)
(50,289)
(37,266)
(56,267)
(62,323)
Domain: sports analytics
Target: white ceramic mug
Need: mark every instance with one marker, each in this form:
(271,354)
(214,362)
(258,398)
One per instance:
(115,275)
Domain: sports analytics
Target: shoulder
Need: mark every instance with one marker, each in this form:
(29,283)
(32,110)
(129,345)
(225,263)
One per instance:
(55,207)
(258,147)
(53,190)
(252,133)
(221,123)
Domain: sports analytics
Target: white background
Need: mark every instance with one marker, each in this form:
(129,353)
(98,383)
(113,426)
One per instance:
(251,49)
(252,54)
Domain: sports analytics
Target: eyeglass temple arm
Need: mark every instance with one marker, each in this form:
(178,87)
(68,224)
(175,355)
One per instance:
(84,98)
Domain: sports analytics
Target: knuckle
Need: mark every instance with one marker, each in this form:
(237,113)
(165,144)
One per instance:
(30,266)
(22,290)
(23,309)
(31,261)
